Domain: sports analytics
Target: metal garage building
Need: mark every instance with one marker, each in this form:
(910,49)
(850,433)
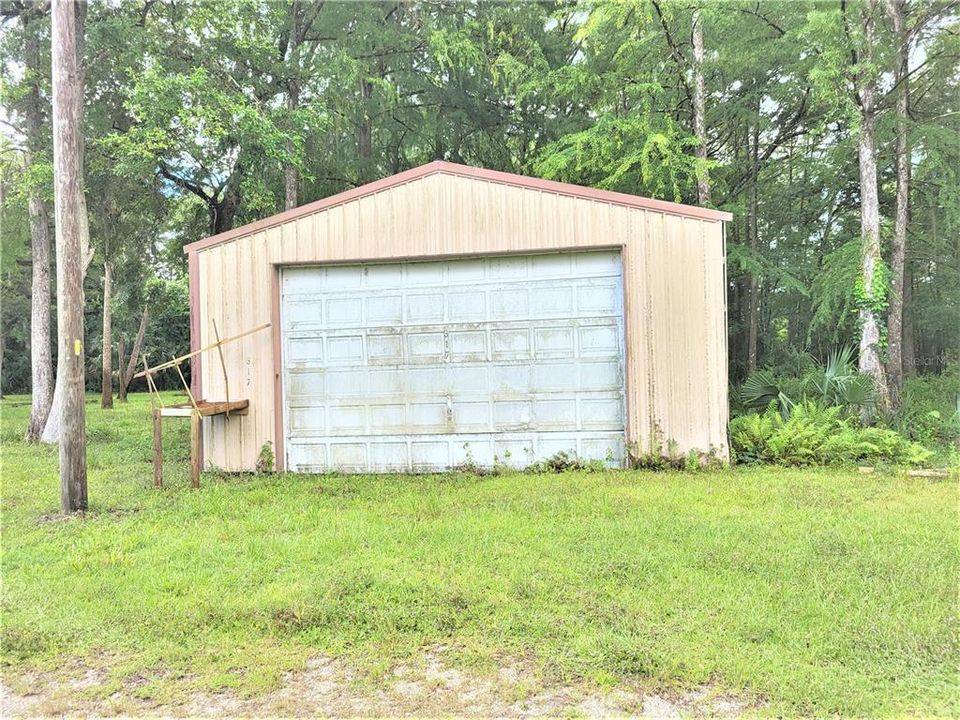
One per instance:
(450,314)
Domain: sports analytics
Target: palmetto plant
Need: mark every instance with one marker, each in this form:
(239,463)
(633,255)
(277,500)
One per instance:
(834,383)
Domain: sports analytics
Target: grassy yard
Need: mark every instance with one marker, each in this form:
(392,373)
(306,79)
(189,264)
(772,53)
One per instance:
(817,592)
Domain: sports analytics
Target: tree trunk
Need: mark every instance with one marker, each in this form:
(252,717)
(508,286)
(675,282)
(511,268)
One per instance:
(51,431)
(753,242)
(290,174)
(365,132)
(224,210)
(699,109)
(909,340)
(41,358)
(870,257)
(67,103)
(898,249)
(134,355)
(121,352)
(106,386)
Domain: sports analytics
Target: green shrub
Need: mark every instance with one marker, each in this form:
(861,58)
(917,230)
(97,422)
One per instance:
(837,382)
(930,408)
(814,435)
(266,459)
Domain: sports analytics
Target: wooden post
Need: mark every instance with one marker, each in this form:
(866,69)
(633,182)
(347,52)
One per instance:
(195,449)
(157,448)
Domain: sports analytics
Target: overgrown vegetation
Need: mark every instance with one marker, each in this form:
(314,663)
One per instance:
(835,383)
(930,409)
(592,577)
(561,462)
(803,412)
(814,435)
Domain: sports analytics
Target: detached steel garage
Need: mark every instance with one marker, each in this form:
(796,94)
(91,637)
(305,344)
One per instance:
(449,314)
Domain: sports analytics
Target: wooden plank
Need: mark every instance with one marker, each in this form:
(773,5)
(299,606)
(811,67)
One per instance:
(206,408)
(240,407)
(157,449)
(929,473)
(177,411)
(195,450)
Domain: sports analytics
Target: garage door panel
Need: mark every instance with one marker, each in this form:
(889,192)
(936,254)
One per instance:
(468,346)
(425,347)
(304,311)
(385,349)
(600,376)
(471,416)
(597,263)
(334,277)
(551,266)
(305,384)
(554,342)
(384,310)
(348,419)
(553,376)
(310,457)
(348,456)
(551,301)
(508,267)
(345,350)
(512,414)
(512,343)
(389,276)
(601,413)
(425,273)
(439,452)
(599,339)
(429,455)
(307,421)
(344,312)
(428,417)
(598,299)
(551,414)
(467,306)
(389,456)
(509,304)
(388,418)
(305,351)
(424,309)
(511,380)
(400,366)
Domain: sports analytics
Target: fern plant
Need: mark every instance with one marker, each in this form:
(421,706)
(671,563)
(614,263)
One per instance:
(815,435)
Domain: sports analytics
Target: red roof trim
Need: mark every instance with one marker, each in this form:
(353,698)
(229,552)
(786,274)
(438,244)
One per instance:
(448,168)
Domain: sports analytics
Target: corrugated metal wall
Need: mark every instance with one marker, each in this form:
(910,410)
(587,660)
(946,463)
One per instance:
(673,278)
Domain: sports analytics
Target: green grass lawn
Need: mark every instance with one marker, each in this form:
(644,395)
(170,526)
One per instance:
(818,592)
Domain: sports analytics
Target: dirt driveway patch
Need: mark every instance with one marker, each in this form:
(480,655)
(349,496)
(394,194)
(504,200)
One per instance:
(331,688)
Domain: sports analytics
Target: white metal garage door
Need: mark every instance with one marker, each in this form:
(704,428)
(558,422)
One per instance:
(425,365)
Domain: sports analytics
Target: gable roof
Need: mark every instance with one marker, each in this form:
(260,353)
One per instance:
(449,168)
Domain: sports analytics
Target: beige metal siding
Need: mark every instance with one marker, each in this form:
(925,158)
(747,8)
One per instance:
(673,276)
